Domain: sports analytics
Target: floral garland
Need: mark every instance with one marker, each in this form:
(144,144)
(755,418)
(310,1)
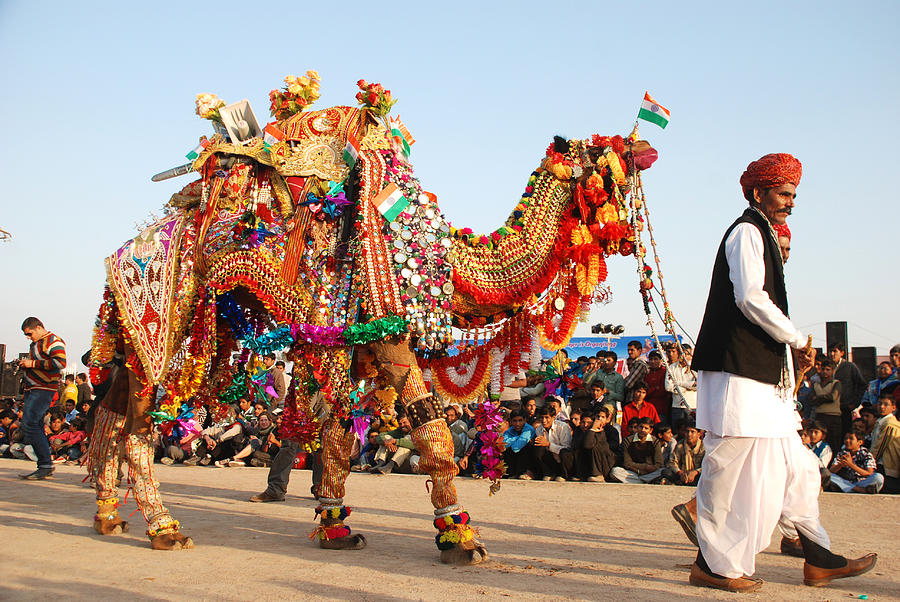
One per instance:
(297,94)
(487,422)
(461,383)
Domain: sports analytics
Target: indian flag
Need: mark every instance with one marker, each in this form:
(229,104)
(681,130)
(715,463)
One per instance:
(272,135)
(653,112)
(196,152)
(390,202)
(351,151)
(402,134)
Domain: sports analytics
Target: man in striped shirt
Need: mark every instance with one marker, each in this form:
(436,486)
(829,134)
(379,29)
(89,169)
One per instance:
(42,372)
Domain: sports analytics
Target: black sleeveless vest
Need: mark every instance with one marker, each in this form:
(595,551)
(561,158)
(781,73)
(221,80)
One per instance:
(728,341)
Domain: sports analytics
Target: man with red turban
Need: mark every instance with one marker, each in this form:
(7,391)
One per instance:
(783,234)
(756,470)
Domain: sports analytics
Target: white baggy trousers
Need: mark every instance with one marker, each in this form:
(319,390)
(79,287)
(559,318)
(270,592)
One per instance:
(747,485)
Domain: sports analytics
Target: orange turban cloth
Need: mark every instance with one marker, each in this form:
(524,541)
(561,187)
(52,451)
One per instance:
(782,230)
(770,171)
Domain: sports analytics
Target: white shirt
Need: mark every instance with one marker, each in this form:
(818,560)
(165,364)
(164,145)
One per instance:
(686,379)
(729,405)
(560,436)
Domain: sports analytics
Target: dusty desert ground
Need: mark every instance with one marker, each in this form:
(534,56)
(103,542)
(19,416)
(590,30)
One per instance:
(546,541)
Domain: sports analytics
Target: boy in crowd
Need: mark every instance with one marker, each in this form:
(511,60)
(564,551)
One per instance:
(366,456)
(519,454)
(657,394)
(826,398)
(665,439)
(7,418)
(69,444)
(686,463)
(854,468)
(593,456)
(598,396)
(818,444)
(639,408)
(886,448)
(554,437)
(684,399)
(643,458)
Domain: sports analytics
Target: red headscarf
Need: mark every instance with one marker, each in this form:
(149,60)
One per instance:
(770,171)
(782,230)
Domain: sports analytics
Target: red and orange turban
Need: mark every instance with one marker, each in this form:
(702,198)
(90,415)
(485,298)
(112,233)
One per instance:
(782,230)
(770,171)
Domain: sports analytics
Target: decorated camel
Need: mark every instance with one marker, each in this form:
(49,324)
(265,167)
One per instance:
(314,237)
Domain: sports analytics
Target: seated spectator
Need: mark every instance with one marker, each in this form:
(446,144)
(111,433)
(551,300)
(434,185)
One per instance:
(7,418)
(869,416)
(665,439)
(594,459)
(826,398)
(643,459)
(639,408)
(612,380)
(71,444)
(657,394)
(71,410)
(631,428)
(603,419)
(575,420)
(55,427)
(552,439)
(395,448)
(686,462)
(458,430)
(884,415)
(818,444)
(365,457)
(519,454)
(179,449)
(598,397)
(886,447)
(530,407)
(884,377)
(555,406)
(261,443)
(221,440)
(853,469)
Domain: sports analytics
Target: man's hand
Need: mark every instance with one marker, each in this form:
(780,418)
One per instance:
(691,476)
(463,462)
(541,441)
(391,445)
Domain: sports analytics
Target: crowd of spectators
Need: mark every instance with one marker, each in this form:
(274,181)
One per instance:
(628,421)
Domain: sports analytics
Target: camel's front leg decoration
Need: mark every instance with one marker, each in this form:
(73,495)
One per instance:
(319,241)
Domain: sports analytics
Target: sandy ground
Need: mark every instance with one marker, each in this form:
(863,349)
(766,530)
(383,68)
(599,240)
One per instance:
(546,540)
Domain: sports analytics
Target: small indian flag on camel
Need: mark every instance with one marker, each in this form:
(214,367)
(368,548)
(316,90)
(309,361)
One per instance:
(351,151)
(390,202)
(272,135)
(653,112)
(196,152)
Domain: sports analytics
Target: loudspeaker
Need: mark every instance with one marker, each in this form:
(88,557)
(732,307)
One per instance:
(836,332)
(864,358)
(241,123)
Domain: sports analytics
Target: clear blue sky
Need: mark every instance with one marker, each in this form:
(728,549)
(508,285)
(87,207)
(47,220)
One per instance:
(97,97)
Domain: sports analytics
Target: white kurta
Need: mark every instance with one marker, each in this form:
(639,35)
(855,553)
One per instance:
(756,470)
(735,406)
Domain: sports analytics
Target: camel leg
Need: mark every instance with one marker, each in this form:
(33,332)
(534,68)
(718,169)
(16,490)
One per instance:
(455,539)
(104,455)
(331,532)
(162,529)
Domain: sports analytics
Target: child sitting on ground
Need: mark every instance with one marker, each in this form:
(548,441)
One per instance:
(643,458)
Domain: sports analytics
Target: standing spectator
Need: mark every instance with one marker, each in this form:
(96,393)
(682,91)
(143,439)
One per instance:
(70,391)
(513,391)
(553,438)
(884,377)
(886,448)
(639,408)
(657,394)
(519,454)
(853,385)
(279,385)
(612,380)
(643,458)
(590,372)
(687,460)
(854,468)
(827,399)
(42,371)
(637,367)
(684,399)
(895,359)
(85,393)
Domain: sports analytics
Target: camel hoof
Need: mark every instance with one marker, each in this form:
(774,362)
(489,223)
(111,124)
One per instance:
(171,541)
(351,542)
(117,526)
(463,556)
